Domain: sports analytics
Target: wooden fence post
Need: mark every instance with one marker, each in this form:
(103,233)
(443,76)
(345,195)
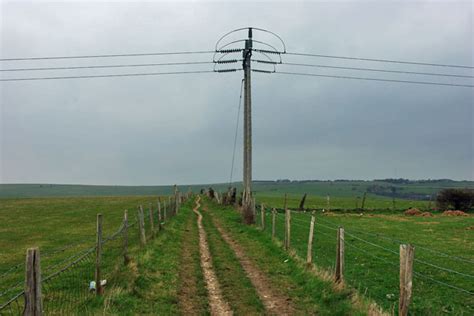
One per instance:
(126,258)
(262,216)
(98,256)
(141,226)
(407,254)
(328,198)
(309,254)
(178,203)
(164,211)
(159,215)
(172,207)
(152,224)
(33,300)
(339,277)
(273,223)
(287,228)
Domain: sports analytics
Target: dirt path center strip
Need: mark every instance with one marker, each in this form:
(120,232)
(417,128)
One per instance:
(216,301)
(275,302)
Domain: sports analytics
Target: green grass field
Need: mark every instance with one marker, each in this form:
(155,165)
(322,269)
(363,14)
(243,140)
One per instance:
(444,255)
(65,226)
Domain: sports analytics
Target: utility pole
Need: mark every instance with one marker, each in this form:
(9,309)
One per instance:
(225,46)
(247,54)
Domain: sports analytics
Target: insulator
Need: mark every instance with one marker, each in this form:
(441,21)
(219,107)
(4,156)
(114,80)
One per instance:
(264,71)
(231,50)
(225,70)
(228,61)
(268,51)
(266,61)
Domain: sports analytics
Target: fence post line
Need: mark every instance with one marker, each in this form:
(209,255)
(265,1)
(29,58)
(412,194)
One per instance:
(339,277)
(407,254)
(152,224)
(159,215)
(33,299)
(273,223)
(287,228)
(126,259)
(262,215)
(98,256)
(309,254)
(141,226)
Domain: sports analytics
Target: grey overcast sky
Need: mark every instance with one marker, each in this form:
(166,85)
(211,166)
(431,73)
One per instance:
(180,128)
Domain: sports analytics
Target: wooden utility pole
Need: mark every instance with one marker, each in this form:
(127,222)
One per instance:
(247,54)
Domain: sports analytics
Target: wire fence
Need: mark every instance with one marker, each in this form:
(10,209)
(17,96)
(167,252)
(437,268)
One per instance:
(442,283)
(68,274)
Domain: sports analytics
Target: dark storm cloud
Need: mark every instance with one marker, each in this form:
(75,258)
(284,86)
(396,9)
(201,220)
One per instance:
(158,130)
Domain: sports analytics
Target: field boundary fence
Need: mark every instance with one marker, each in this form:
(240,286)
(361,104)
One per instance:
(383,268)
(407,277)
(69,285)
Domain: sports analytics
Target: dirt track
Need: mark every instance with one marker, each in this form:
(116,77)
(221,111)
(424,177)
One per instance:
(217,303)
(275,302)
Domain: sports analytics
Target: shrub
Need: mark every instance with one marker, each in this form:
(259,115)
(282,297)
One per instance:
(457,199)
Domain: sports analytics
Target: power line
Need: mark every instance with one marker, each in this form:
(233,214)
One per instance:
(109,55)
(375,79)
(108,76)
(381,60)
(379,70)
(236,132)
(110,66)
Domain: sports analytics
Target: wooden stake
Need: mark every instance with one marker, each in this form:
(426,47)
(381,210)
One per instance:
(328,198)
(273,223)
(164,211)
(340,256)
(126,258)
(262,216)
(159,215)
(98,256)
(33,300)
(407,255)
(287,228)
(309,253)
(363,200)
(152,222)
(141,226)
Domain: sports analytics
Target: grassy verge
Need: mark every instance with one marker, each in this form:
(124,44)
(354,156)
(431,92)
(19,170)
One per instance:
(372,259)
(310,295)
(236,288)
(149,285)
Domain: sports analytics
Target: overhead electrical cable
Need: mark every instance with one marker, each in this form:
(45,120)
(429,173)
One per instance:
(112,75)
(110,66)
(109,55)
(381,60)
(378,70)
(236,131)
(375,79)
